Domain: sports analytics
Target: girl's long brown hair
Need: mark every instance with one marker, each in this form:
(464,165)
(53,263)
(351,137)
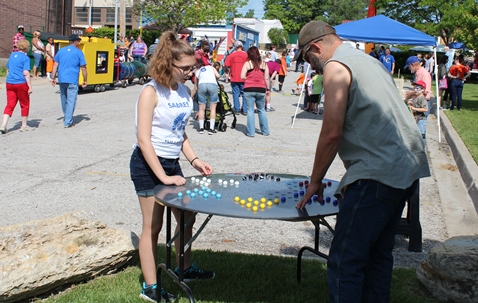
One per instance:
(254,56)
(169,48)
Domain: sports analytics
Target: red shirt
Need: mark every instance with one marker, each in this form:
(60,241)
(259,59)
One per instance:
(458,71)
(235,61)
(205,58)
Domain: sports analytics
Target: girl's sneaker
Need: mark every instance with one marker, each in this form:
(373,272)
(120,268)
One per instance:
(194,273)
(148,293)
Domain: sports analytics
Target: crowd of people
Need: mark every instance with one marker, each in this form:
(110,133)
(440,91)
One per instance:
(379,177)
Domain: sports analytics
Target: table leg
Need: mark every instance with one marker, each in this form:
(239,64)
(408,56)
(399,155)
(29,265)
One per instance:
(315,250)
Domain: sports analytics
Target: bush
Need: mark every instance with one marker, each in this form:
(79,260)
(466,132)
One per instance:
(278,36)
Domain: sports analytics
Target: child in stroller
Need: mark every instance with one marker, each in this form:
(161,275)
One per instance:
(223,109)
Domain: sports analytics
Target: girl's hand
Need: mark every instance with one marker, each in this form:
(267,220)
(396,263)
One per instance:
(203,167)
(174,180)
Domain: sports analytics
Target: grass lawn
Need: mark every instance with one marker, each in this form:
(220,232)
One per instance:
(239,278)
(465,121)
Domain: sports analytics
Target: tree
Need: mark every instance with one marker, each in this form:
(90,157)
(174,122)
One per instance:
(451,19)
(177,14)
(295,14)
(278,36)
(249,14)
(336,11)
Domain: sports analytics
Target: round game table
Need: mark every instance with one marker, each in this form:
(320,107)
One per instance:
(264,196)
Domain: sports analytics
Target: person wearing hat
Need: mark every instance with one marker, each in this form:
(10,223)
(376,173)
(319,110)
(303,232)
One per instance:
(17,37)
(68,61)
(421,74)
(383,163)
(419,106)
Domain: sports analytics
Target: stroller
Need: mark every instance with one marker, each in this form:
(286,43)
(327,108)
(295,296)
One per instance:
(223,109)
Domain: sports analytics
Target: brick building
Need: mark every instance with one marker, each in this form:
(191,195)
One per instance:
(62,17)
(43,15)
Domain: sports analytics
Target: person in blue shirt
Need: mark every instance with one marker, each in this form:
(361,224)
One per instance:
(388,60)
(18,85)
(68,61)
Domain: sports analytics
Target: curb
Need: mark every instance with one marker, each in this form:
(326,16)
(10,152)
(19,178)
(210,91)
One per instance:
(464,161)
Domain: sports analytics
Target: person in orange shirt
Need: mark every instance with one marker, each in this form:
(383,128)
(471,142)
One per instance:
(283,70)
(300,80)
(458,74)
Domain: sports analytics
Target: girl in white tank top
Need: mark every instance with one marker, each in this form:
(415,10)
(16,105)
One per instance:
(162,111)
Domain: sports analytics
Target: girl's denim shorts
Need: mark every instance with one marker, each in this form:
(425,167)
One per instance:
(143,177)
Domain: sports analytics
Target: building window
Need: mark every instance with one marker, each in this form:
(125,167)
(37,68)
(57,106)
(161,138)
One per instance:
(81,15)
(96,15)
(129,12)
(110,15)
(102,62)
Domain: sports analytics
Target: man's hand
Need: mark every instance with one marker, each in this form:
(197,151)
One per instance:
(53,82)
(313,189)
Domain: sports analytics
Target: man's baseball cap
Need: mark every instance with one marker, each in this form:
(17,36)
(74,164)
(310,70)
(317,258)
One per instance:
(309,33)
(420,83)
(411,60)
(74,37)
(20,26)
(238,44)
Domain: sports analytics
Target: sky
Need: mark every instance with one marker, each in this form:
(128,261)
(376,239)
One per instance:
(256,5)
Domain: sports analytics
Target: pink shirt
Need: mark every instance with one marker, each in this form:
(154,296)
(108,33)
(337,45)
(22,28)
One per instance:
(16,38)
(424,75)
(273,67)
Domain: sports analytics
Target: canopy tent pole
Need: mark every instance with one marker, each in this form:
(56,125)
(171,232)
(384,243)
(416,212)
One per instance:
(300,96)
(437,95)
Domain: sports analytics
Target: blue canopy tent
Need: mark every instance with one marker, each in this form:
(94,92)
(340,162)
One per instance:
(381,29)
(457,45)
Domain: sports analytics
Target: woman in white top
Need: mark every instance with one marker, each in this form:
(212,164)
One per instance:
(206,87)
(38,49)
(162,112)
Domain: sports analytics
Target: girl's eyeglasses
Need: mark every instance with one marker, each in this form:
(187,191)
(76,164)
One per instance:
(185,69)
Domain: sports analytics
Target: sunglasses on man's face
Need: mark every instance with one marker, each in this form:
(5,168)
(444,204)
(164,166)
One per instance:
(307,49)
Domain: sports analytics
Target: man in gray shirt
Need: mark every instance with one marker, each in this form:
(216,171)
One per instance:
(368,125)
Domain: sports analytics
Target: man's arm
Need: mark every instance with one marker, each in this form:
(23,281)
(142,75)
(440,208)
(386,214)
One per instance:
(85,76)
(337,80)
(53,73)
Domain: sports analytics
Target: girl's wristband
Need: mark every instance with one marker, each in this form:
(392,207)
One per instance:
(191,162)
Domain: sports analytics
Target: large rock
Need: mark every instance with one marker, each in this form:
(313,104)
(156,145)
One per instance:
(451,270)
(39,256)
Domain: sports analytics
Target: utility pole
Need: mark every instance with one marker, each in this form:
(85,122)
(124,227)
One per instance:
(116,22)
(90,11)
(122,17)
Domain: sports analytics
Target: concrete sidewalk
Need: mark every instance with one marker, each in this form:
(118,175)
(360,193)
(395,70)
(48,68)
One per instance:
(51,170)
